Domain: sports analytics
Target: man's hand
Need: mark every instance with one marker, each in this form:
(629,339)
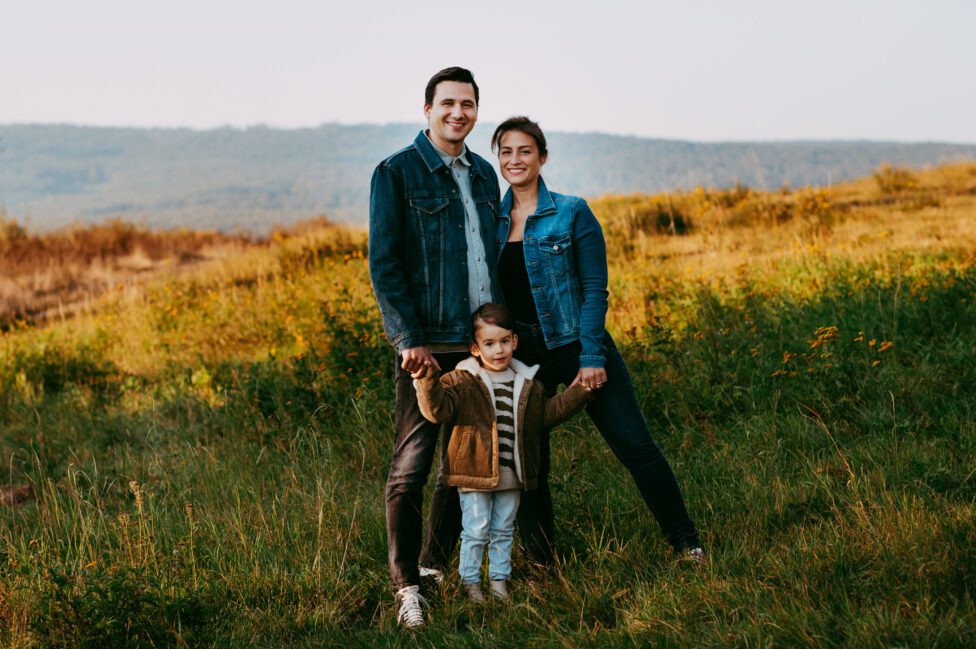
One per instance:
(592,378)
(416,360)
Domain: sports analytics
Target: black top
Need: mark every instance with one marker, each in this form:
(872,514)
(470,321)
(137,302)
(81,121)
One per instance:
(515,283)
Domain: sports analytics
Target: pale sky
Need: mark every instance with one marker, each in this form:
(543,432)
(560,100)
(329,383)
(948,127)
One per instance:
(748,70)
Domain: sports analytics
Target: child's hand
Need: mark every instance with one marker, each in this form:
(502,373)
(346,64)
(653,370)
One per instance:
(421,372)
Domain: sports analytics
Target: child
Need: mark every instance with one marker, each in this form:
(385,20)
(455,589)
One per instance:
(496,414)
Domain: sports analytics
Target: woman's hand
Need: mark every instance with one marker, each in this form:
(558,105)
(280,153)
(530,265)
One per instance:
(592,378)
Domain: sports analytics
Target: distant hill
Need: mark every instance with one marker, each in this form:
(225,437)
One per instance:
(252,178)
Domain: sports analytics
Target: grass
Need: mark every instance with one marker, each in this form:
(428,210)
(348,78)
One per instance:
(209,449)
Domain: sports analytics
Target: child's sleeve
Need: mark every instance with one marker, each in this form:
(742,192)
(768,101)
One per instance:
(436,396)
(566,404)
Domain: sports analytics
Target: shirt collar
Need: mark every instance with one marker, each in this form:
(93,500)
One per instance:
(447,158)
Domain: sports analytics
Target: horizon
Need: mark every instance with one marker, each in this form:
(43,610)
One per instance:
(479,127)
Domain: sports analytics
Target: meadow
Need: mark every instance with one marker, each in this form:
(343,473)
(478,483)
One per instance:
(208,450)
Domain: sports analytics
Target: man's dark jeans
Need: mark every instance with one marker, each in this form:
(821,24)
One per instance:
(617,415)
(414,446)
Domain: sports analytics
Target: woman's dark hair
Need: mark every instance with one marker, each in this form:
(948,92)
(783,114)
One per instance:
(520,123)
(455,73)
(494,314)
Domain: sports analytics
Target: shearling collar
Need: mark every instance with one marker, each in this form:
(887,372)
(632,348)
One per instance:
(471,365)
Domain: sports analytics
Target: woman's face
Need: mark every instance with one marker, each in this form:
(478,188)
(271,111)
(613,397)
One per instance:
(518,159)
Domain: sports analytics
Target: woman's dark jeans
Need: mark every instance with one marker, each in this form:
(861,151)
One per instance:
(617,415)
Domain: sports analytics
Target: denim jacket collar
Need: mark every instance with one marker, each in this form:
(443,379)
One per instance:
(433,161)
(544,204)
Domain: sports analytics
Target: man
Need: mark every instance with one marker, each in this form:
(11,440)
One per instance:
(432,259)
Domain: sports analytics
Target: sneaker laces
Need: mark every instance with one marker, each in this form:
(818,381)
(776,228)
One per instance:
(412,603)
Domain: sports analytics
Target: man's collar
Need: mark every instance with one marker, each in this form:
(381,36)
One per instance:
(429,154)
(446,157)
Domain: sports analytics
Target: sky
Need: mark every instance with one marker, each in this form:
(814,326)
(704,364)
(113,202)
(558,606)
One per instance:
(694,70)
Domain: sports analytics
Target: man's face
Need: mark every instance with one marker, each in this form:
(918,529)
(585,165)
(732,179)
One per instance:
(452,115)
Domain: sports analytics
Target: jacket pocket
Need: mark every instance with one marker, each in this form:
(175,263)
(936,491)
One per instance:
(430,218)
(468,454)
(559,263)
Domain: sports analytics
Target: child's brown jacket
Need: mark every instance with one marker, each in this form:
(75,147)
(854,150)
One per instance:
(463,399)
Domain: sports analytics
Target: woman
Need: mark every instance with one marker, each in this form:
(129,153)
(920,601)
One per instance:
(553,271)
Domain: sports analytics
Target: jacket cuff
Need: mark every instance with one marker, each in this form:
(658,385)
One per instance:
(587,360)
(406,341)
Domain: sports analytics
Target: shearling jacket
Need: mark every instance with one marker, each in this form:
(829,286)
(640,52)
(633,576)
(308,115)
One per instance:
(463,400)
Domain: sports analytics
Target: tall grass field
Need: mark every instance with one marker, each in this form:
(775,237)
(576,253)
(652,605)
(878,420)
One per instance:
(208,450)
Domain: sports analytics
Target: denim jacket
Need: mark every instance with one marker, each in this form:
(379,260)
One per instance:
(417,247)
(566,260)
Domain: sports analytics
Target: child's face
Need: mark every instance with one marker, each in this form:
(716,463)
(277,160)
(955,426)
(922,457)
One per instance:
(494,346)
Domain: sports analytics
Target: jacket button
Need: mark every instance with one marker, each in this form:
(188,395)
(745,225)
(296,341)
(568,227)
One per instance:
(555,246)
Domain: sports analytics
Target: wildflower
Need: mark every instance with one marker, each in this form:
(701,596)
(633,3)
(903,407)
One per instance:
(875,363)
(885,346)
(872,342)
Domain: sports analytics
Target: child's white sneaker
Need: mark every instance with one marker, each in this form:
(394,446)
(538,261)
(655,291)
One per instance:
(411,604)
(499,588)
(473,589)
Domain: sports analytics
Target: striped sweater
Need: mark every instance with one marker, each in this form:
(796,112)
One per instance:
(503,386)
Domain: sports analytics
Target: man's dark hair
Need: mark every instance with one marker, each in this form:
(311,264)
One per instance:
(449,74)
(520,123)
(494,314)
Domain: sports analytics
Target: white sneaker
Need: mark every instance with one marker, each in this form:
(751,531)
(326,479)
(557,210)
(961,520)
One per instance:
(411,604)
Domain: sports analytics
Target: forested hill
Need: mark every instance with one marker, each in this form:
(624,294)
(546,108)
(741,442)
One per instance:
(252,178)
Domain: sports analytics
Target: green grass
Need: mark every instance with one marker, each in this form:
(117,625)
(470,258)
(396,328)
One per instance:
(209,456)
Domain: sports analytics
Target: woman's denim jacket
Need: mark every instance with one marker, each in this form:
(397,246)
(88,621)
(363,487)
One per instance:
(566,260)
(417,247)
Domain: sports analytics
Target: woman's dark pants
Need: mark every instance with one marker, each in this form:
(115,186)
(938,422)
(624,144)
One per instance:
(617,415)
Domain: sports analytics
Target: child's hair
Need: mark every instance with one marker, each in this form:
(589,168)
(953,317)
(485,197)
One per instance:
(492,313)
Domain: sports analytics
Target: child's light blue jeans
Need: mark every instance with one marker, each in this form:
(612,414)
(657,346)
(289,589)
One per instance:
(488,518)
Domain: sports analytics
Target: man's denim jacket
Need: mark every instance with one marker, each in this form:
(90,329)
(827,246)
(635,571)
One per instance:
(566,260)
(417,247)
